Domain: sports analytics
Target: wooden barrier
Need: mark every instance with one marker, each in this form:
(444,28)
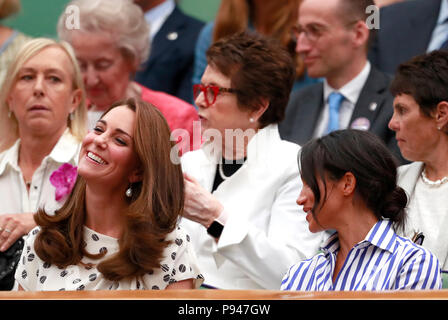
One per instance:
(223,295)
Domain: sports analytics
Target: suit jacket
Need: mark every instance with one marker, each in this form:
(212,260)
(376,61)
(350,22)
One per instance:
(405,31)
(305,106)
(169,67)
(266,231)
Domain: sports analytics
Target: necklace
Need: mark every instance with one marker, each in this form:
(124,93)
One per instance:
(436,183)
(221,172)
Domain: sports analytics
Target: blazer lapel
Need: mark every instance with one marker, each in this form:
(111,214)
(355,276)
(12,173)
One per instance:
(371,98)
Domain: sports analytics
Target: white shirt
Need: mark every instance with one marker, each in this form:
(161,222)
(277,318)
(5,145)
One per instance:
(351,92)
(178,263)
(157,16)
(14,197)
(428,213)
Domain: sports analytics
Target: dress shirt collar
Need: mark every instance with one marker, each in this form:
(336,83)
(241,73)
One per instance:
(443,13)
(65,149)
(352,89)
(157,16)
(380,235)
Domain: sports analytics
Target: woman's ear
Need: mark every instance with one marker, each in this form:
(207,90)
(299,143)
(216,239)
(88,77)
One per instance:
(76,100)
(256,114)
(442,115)
(348,184)
(136,176)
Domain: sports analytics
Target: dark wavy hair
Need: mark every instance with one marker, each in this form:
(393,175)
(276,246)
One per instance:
(364,155)
(259,68)
(153,210)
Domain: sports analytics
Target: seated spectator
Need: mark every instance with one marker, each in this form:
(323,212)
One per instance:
(173,35)
(118,228)
(349,185)
(270,18)
(420,122)
(241,184)
(333,37)
(42,123)
(10,40)
(110,45)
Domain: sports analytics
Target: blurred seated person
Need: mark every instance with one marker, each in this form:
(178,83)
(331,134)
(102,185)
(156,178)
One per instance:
(349,185)
(118,228)
(241,184)
(270,18)
(42,123)
(173,35)
(110,45)
(420,122)
(10,39)
(333,39)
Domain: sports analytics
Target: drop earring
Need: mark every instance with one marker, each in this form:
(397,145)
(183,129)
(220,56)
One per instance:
(9,114)
(71,116)
(129,192)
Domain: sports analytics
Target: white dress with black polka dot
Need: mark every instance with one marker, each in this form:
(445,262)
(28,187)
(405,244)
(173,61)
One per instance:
(33,274)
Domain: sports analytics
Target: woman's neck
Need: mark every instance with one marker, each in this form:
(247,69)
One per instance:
(32,150)
(105,210)
(437,166)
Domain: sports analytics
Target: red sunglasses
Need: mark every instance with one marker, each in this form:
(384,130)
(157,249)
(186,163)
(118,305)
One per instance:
(210,92)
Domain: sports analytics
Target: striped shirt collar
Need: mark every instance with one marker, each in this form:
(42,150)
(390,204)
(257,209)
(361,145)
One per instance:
(381,235)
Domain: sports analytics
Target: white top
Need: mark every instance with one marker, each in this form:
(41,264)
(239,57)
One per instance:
(14,197)
(351,92)
(427,211)
(33,274)
(265,231)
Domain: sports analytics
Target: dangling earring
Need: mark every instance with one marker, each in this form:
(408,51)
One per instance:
(9,114)
(71,116)
(129,192)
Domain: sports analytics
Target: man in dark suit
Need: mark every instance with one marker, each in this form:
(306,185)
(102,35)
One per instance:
(407,29)
(173,38)
(333,38)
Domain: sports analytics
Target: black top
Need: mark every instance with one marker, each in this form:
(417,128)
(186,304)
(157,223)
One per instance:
(229,167)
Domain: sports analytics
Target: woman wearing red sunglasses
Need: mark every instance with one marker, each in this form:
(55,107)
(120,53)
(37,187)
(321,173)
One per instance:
(242,184)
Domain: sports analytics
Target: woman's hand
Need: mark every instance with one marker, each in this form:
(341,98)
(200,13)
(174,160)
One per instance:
(14,226)
(200,205)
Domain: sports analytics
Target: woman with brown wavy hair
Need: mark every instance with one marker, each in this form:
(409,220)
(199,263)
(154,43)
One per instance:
(118,228)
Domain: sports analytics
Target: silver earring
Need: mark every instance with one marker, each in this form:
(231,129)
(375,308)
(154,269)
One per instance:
(72,116)
(9,114)
(129,192)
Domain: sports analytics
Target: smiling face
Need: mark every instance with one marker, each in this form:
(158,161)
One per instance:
(107,153)
(42,96)
(416,133)
(106,72)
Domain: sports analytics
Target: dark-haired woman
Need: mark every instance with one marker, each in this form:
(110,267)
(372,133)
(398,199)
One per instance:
(118,228)
(349,185)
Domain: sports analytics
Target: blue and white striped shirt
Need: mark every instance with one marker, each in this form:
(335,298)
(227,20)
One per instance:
(382,261)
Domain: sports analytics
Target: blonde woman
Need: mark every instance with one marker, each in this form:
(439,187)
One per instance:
(42,122)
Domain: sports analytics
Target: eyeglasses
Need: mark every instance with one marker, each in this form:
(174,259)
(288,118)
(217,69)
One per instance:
(210,92)
(313,32)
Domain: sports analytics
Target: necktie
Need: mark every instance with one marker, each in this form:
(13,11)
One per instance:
(334,101)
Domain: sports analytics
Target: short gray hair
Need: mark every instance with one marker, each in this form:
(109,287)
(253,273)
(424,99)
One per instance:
(123,19)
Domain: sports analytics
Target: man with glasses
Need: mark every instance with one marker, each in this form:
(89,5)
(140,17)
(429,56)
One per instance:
(333,37)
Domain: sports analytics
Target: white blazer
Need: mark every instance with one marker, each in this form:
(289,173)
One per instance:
(266,231)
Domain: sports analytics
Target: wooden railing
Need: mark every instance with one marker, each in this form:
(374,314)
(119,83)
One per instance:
(222,295)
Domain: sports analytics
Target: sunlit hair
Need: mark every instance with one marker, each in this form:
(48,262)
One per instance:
(8,8)
(156,204)
(259,69)
(9,131)
(234,16)
(122,19)
(369,160)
